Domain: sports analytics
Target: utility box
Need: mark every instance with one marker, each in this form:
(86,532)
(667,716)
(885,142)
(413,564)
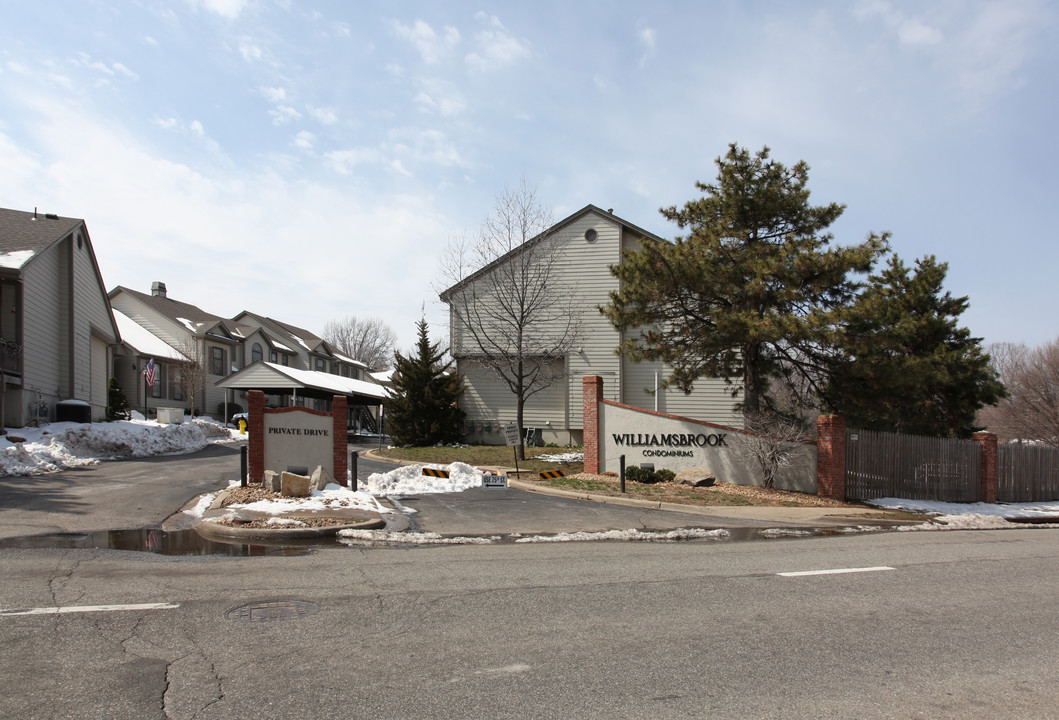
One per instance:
(73,411)
(171,416)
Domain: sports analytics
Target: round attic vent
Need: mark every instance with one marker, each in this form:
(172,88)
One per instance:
(590,235)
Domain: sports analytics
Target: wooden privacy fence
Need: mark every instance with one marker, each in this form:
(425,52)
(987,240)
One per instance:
(1027,473)
(881,464)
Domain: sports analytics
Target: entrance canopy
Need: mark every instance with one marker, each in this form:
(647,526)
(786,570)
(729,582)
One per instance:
(273,379)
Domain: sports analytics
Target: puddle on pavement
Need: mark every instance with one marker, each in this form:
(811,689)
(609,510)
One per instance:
(161,542)
(189,542)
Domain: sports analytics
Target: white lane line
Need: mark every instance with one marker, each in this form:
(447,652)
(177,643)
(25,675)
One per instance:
(88,609)
(837,571)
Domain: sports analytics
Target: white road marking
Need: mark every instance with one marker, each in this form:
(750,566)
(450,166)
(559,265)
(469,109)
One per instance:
(837,571)
(89,608)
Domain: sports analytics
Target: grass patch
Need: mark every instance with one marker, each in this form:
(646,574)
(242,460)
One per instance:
(484,456)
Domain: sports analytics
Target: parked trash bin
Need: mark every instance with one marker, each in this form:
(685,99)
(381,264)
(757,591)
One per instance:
(73,411)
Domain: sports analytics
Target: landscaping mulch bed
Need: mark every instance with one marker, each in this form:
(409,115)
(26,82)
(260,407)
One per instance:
(722,493)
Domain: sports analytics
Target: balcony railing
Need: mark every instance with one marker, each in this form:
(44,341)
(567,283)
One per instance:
(10,357)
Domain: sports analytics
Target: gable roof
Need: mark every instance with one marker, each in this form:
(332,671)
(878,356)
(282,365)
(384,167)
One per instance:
(311,342)
(445,294)
(193,318)
(24,235)
(143,341)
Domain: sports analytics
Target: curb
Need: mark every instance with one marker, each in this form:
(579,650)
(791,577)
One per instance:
(223,533)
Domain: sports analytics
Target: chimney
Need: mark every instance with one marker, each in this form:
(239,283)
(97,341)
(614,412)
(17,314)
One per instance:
(158,289)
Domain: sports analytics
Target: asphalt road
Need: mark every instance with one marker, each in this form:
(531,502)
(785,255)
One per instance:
(123,494)
(963,626)
(958,624)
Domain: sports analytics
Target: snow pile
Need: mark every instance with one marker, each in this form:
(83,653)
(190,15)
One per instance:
(631,535)
(331,497)
(569,457)
(376,538)
(410,480)
(60,446)
(1036,511)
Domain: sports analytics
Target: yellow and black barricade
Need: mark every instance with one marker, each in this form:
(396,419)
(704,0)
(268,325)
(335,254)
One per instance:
(435,473)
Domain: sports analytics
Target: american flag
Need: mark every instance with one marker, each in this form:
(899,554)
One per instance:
(149,372)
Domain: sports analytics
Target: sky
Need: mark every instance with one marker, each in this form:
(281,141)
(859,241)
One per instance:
(311,160)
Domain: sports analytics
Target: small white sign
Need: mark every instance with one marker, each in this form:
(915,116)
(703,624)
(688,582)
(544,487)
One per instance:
(494,481)
(511,433)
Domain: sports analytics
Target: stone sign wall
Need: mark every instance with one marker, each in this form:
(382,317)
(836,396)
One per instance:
(296,439)
(676,443)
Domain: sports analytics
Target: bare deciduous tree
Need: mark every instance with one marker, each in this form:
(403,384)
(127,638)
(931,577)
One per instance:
(194,374)
(369,340)
(1031,376)
(509,312)
(771,444)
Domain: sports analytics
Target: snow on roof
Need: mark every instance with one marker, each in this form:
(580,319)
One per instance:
(305,378)
(143,340)
(192,326)
(15,259)
(385,376)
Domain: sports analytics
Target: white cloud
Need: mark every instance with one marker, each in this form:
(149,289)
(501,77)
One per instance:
(304,140)
(441,97)
(325,116)
(197,129)
(228,9)
(494,46)
(282,114)
(125,71)
(250,52)
(273,94)
(166,123)
(910,31)
(150,41)
(432,47)
(647,38)
(344,161)
(342,29)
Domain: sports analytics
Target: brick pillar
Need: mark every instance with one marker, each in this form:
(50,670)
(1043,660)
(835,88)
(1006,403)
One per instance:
(988,489)
(255,428)
(592,391)
(340,424)
(831,457)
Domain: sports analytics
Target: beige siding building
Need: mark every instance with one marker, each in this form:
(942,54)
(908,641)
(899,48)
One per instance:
(588,243)
(56,328)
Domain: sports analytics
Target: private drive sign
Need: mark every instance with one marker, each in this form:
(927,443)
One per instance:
(298,440)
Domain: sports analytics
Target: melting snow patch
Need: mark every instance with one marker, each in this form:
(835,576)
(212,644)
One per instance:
(562,457)
(630,535)
(384,537)
(784,532)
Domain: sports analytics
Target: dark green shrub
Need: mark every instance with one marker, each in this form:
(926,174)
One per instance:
(117,403)
(648,477)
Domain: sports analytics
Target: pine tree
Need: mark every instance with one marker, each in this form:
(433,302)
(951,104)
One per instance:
(749,295)
(117,403)
(423,410)
(906,365)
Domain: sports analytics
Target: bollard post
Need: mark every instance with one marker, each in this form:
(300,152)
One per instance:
(621,472)
(353,470)
(242,466)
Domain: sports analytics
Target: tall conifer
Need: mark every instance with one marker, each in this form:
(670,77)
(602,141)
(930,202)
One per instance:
(423,410)
(906,364)
(749,294)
